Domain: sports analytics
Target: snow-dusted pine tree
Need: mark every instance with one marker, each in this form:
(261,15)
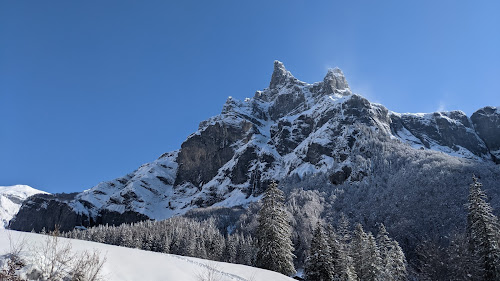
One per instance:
(373,261)
(230,249)
(393,260)
(319,264)
(275,249)
(483,232)
(366,256)
(358,249)
(344,231)
(383,242)
(342,262)
(396,263)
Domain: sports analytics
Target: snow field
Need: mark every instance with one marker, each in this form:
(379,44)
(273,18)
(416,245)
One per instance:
(125,264)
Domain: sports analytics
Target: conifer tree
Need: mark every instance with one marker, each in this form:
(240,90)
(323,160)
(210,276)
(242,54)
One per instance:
(342,263)
(246,251)
(366,256)
(483,232)
(358,250)
(396,263)
(383,242)
(373,261)
(344,231)
(230,249)
(275,249)
(393,260)
(319,264)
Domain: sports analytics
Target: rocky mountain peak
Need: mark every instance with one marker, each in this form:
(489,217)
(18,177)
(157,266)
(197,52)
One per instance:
(228,105)
(280,76)
(335,83)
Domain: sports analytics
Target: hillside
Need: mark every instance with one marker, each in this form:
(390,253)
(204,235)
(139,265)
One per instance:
(331,151)
(132,264)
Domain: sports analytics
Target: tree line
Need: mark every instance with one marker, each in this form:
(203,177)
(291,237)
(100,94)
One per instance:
(473,253)
(332,253)
(270,247)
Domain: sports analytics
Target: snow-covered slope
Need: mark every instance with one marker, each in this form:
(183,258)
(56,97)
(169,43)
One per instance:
(289,129)
(124,264)
(11,199)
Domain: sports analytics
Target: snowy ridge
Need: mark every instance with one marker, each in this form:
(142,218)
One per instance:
(448,132)
(143,191)
(11,198)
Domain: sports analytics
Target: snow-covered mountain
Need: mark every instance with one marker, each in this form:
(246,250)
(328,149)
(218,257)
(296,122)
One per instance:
(291,129)
(132,264)
(11,199)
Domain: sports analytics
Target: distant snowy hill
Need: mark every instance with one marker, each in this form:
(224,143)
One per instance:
(11,199)
(289,131)
(124,264)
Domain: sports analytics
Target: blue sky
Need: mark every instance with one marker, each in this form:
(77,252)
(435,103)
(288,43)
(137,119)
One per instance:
(90,90)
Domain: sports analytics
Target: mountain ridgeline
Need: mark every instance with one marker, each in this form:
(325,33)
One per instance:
(406,170)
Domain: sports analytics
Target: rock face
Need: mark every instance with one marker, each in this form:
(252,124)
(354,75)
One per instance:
(290,129)
(450,132)
(335,83)
(54,211)
(201,156)
(487,124)
(50,211)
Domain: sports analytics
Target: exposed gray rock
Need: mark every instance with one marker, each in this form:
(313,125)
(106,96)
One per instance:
(202,155)
(281,77)
(287,103)
(335,83)
(447,129)
(46,211)
(240,173)
(487,124)
(116,218)
(316,151)
(340,176)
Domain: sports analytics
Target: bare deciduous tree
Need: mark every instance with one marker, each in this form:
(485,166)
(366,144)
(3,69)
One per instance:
(51,260)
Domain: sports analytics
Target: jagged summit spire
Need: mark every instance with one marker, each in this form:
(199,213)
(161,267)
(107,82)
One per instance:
(279,67)
(335,82)
(280,75)
(334,71)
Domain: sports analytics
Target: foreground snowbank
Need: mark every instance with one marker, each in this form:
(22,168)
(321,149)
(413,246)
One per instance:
(133,264)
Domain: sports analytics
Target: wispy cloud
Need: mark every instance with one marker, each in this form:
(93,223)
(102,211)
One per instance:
(442,106)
